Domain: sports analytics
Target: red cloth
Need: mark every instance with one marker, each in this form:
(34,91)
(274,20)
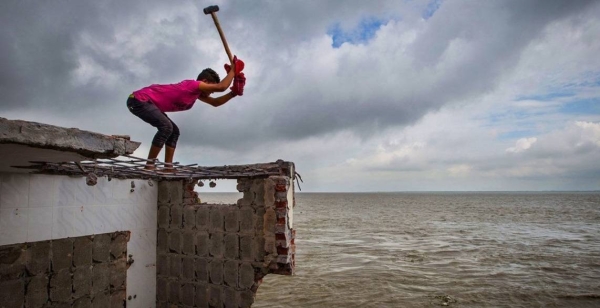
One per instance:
(239,81)
(239,65)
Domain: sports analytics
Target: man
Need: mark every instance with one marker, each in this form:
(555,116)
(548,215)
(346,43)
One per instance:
(151,104)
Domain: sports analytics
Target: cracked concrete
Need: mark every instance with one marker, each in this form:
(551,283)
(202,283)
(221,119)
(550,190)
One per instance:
(24,141)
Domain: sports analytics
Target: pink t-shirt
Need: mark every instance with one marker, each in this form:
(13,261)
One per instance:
(170,97)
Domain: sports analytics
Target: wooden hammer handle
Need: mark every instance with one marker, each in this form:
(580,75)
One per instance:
(216,20)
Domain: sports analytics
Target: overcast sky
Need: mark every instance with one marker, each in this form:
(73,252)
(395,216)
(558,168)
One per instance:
(399,95)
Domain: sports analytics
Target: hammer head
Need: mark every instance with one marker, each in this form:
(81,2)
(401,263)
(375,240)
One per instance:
(211,9)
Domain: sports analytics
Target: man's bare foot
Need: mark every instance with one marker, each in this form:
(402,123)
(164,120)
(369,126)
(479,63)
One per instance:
(149,167)
(168,168)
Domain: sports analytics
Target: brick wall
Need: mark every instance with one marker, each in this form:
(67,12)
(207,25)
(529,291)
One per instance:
(215,255)
(86,271)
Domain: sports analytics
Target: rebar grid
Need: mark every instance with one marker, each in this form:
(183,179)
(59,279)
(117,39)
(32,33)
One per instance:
(131,167)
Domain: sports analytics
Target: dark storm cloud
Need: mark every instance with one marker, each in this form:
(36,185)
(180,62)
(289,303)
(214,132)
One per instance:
(42,47)
(44,43)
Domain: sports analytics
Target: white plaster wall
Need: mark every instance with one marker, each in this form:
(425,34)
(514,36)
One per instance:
(290,204)
(37,207)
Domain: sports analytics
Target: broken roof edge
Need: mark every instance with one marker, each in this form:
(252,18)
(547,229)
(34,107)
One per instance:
(86,143)
(130,167)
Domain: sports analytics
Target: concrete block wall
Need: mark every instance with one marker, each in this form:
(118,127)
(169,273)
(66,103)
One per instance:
(215,255)
(38,207)
(86,271)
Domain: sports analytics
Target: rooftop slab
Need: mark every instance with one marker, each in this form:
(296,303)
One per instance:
(22,142)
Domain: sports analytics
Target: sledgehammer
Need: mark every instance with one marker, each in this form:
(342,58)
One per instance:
(212,10)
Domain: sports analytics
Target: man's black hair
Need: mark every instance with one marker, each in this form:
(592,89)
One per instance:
(209,75)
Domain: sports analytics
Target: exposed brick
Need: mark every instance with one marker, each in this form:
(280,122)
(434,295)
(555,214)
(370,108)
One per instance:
(189,217)
(82,281)
(163,192)
(117,299)
(202,244)
(62,254)
(37,292)
(259,220)
(246,248)
(201,270)
(100,278)
(162,265)
(230,273)
(118,274)
(163,305)
(270,244)
(60,286)
(176,192)
(243,185)
(246,298)
(101,249)
(201,299)
(84,302)
(176,216)
(174,292)
(12,262)
(187,294)
(162,241)
(202,218)
(101,300)
(189,247)
(216,219)
(258,248)
(281,204)
(175,266)
(118,246)
(280,196)
(246,218)
(230,299)
(82,251)
(162,293)
(216,245)
(270,219)
(12,293)
(216,271)
(258,189)
(281,228)
(188,268)
(61,305)
(232,246)
(39,258)
(231,220)
(163,217)
(269,187)
(247,199)
(215,297)
(283,239)
(190,198)
(246,276)
(175,241)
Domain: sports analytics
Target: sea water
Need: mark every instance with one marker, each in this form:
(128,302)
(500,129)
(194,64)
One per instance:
(496,249)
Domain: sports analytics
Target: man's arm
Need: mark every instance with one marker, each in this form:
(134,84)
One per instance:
(218,87)
(217,101)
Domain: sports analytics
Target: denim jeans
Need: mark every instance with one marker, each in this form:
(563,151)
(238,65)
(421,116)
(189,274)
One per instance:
(168,132)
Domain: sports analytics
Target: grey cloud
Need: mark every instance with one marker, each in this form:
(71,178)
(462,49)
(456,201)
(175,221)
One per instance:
(43,46)
(496,33)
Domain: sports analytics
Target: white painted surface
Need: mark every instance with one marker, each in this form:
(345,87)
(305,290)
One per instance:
(37,207)
(290,204)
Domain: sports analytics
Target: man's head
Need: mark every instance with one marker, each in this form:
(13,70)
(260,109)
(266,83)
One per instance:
(209,75)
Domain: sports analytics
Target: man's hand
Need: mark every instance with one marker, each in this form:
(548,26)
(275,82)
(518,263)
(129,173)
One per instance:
(239,65)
